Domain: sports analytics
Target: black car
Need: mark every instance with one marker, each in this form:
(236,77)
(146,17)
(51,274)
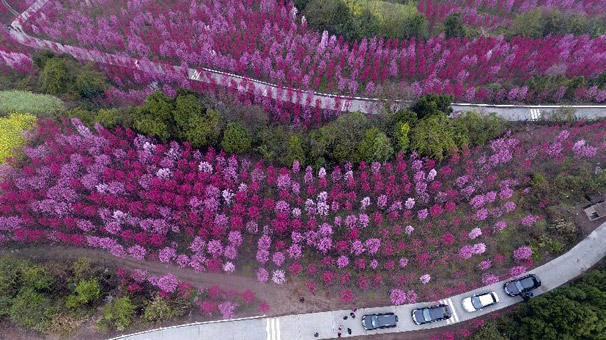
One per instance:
(431,314)
(522,285)
(378,321)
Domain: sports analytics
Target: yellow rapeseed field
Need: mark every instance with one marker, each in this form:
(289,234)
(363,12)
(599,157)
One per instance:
(11,130)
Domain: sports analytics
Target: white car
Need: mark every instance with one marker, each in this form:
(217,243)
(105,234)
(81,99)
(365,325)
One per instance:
(479,301)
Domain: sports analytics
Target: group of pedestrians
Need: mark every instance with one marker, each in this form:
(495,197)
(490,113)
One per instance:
(352,314)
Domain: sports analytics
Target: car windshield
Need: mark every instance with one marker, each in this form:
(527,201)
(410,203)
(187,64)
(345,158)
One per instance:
(426,315)
(475,301)
(519,286)
(374,321)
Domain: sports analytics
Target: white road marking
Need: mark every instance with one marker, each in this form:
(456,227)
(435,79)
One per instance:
(535,114)
(272,329)
(454,310)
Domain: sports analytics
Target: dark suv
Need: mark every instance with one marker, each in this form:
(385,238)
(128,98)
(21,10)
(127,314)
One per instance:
(431,314)
(522,285)
(378,321)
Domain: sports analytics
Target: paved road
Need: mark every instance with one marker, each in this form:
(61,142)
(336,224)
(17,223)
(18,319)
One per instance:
(302,326)
(10,8)
(265,89)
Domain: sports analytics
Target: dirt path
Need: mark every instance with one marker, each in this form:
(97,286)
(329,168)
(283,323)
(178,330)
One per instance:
(282,299)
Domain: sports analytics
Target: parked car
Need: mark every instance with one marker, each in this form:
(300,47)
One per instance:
(522,285)
(378,321)
(479,301)
(431,314)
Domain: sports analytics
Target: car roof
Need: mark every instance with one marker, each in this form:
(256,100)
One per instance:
(527,282)
(436,312)
(486,299)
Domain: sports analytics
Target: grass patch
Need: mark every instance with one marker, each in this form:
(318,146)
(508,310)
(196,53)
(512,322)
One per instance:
(28,102)
(11,129)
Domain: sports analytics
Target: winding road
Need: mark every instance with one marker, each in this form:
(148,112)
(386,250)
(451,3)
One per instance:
(277,92)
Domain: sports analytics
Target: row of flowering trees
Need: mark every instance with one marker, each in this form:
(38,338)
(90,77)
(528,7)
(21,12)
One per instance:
(265,39)
(406,224)
(491,14)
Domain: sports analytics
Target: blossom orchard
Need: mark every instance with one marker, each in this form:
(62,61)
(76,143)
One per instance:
(407,224)
(492,14)
(267,40)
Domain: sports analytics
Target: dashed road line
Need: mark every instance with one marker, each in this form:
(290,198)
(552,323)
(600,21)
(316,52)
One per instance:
(535,114)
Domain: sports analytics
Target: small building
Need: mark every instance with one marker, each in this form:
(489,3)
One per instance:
(596,211)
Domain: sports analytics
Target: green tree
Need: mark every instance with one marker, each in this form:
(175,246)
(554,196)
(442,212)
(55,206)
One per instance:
(432,104)
(475,129)
(401,132)
(489,331)
(344,137)
(375,146)
(331,15)
(236,138)
(85,292)
(294,152)
(41,58)
(204,129)
(453,26)
(154,116)
(118,314)
(187,108)
(89,83)
(526,24)
(433,136)
(55,77)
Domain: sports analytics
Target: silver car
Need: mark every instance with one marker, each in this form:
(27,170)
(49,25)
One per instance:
(479,301)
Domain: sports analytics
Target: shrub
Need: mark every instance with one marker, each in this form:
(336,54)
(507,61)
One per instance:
(236,138)
(118,314)
(85,116)
(86,292)
(36,277)
(89,83)
(81,270)
(158,310)
(11,130)
(453,26)
(54,77)
(30,309)
(109,118)
(563,114)
(27,102)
